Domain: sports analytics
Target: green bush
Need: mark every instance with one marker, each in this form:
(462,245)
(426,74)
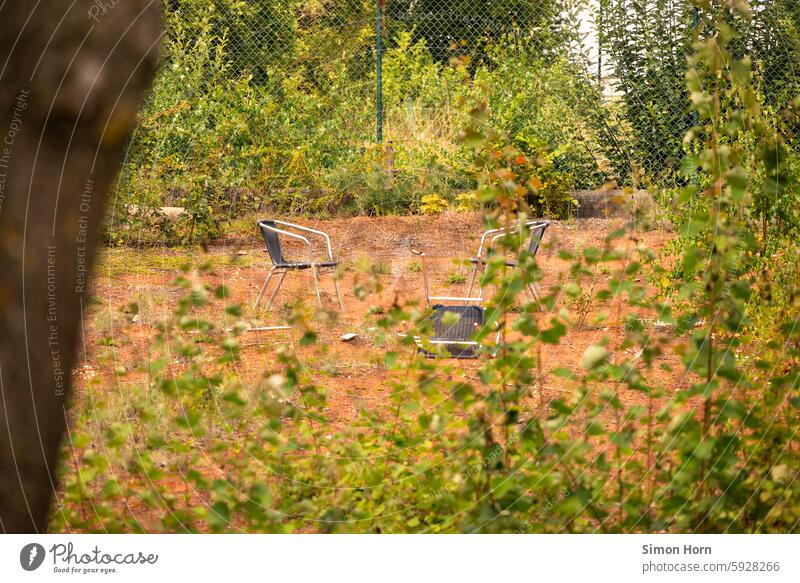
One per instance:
(233,125)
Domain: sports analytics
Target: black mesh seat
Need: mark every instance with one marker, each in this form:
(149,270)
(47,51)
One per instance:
(271,232)
(305,265)
(457,337)
(454,325)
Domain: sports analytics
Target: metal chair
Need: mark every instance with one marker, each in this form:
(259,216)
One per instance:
(270,231)
(537,229)
(455,335)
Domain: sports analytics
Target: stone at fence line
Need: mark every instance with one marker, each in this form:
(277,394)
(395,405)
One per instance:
(169,213)
(616,203)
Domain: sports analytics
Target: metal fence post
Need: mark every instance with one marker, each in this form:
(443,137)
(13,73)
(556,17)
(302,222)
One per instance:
(379,69)
(695,24)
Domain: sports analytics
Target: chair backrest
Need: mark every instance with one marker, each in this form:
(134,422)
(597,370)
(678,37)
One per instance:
(469,322)
(272,242)
(457,336)
(537,234)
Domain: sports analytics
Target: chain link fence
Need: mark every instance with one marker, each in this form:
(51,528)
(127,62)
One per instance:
(326,106)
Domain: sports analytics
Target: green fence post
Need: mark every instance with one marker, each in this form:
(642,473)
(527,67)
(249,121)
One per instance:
(695,24)
(695,115)
(379,70)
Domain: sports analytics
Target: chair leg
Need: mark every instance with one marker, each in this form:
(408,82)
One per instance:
(264,287)
(275,291)
(535,294)
(338,292)
(472,279)
(316,284)
(481,289)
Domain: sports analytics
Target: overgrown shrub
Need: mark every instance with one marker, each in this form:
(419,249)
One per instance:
(234,124)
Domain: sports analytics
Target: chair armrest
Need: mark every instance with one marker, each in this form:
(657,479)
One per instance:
(483,240)
(495,238)
(502,233)
(310,230)
(536,223)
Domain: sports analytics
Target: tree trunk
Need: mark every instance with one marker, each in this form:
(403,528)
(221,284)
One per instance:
(71,77)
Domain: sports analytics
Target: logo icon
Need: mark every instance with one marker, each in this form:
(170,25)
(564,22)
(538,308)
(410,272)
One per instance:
(31,556)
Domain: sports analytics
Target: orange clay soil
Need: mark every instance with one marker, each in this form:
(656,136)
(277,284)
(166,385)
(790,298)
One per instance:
(350,371)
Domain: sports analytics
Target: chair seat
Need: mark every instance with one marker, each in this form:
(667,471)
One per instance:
(482,261)
(306,264)
(456,338)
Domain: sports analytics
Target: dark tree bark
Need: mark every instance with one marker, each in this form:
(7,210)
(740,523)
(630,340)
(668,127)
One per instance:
(71,77)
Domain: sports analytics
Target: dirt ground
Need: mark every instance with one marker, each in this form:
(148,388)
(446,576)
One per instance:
(115,341)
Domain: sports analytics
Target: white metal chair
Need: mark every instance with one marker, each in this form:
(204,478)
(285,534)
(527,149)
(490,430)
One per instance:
(454,334)
(537,229)
(271,231)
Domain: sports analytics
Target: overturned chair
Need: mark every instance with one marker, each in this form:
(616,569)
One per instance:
(454,324)
(536,228)
(271,231)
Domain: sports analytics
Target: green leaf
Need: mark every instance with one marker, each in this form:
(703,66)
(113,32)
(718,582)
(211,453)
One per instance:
(220,515)
(563,372)
(463,392)
(737,180)
(593,357)
(594,428)
(741,71)
(450,319)
(234,310)
(689,166)
(553,334)
(704,449)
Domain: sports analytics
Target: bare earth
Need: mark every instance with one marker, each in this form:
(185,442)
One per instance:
(115,342)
